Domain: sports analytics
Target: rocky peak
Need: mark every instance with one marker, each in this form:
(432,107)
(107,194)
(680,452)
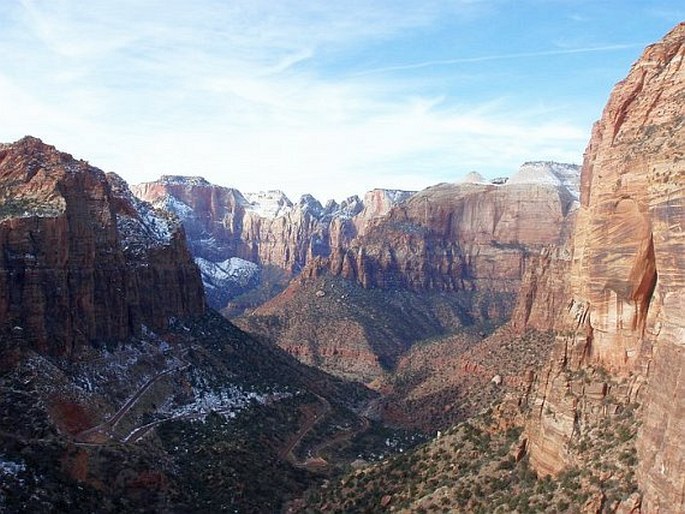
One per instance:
(264,228)
(377,204)
(387,197)
(31,171)
(310,204)
(67,238)
(348,208)
(473,177)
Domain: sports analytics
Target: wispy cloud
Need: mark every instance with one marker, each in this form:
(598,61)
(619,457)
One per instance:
(499,57)
(265,94)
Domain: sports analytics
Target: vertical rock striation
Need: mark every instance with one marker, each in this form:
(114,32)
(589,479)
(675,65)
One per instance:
(263,228)
(626,298)
(81,260)
(472,237)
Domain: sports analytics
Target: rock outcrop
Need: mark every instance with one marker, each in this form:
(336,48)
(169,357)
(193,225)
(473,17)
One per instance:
(445,258)
(263,228)
(81,259)
(472,236)
(627,280)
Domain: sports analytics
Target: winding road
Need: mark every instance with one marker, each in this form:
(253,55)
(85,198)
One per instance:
(315,414)
(318,463)
(106,427)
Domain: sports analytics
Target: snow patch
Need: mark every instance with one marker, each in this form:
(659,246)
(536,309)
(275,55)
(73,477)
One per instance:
(347,209)
(183,180)
(10,467)
(549,173)
(397,196)
(228,401)
(143,226)
(233,271)
(311,205)
(268,204)
(170,203)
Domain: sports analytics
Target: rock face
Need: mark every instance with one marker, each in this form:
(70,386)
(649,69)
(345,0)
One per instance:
(376,205)
(210,214)
(545,290)
(223,280)
(444,259)
(82,260)
(264,228)
(627,277)
(472,236)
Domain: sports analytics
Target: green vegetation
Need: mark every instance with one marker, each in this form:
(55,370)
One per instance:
(18,207)
(473,467)
(233,464)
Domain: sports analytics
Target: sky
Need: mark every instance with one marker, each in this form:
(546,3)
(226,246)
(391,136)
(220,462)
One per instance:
(321,97)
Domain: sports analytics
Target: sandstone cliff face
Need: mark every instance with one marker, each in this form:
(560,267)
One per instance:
(461,237)
(80,260)
(376,205)
(263,228)
(627,280)
(448,257)
(545,290)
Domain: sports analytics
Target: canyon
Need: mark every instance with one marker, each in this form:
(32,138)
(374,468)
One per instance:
(513,345)
(449,257)
(602,418)
(113,370)
(427,263)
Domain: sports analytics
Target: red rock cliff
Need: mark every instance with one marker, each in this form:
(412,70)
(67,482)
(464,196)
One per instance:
(627,279)
(460,237)
(80,259)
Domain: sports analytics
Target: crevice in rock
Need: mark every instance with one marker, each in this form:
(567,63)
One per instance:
(642,295)
(622,111)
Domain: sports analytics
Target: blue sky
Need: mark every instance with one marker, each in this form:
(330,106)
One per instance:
(332,98)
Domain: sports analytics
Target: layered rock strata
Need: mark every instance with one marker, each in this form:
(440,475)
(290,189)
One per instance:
(82,260)
(448,257)
(263,228)
(473,236)
(625,319)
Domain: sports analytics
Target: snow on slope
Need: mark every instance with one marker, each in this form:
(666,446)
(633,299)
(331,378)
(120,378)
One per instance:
(549,173)
(170,203)
(183,180)
(233,272)
(10,467)
(146,226)
(398,195)
(346,209)
(268,204)
(227,401)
